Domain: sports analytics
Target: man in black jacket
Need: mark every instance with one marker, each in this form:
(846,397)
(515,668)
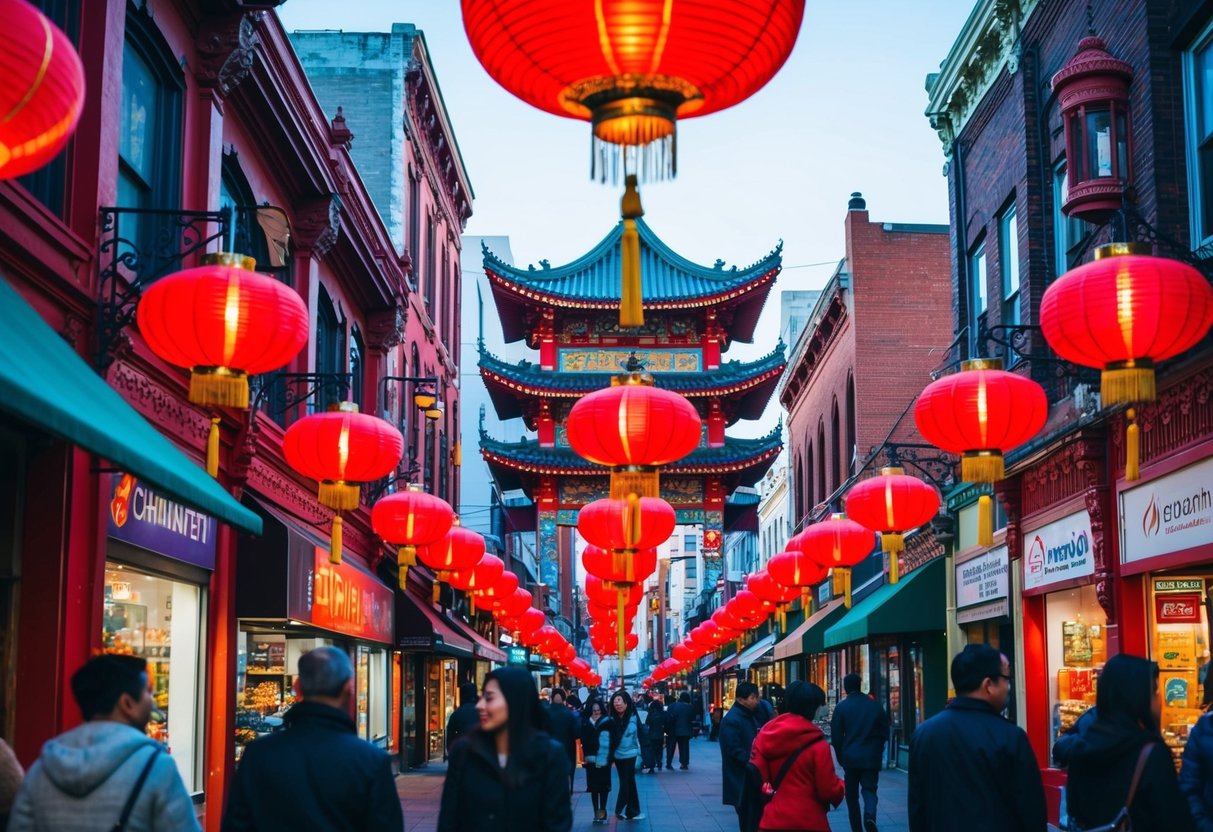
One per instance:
(738,729)
(566,728)
(678,729)
(317,774)
(464,718)
(858,730)
(969,766)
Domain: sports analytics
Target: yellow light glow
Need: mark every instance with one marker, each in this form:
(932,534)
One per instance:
(231,318)
(343,447)
(1124,307)
(983,410)
(888,504)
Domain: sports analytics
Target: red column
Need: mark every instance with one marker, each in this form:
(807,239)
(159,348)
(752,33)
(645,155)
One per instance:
(1036,678)
(546,425)
(220,748)
(711,342)
(547,341)
(715,425)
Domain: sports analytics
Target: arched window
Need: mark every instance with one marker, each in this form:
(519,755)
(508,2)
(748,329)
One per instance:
(407,409)
(822,491)
(330,350)
(836,446)
(357,367)
(852,450)
(809,496)
(800,496)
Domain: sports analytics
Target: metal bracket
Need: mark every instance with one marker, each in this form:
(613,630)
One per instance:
(277,393)
(937,466)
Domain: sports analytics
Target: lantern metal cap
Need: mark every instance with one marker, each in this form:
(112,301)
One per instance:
(1122,249)
(892,471)
(343,407)
(838,515)
(230,259)
(981,364)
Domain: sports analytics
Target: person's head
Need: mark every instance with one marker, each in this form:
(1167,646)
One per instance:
(468,693)
(556,697)
(669,699)
(803,699)
(326,676)
(981,672)
(510,703)
(114,688)
(622,706)
(574,702)
(851,683)
(684,697)
(1128,693)
(747,695)
(595,709)
(656,705)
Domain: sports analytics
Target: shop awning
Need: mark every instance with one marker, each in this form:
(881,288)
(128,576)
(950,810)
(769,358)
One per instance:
(807,638)
(715,667)
(915,605)
(757,653)
(481,647)
(420,627)
(45,383)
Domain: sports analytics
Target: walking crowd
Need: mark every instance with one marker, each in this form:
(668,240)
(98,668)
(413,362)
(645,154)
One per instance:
(512,759)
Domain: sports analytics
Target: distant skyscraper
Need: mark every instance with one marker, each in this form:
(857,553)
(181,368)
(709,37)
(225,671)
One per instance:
(795,307)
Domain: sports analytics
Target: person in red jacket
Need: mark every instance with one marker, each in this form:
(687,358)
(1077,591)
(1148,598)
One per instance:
(810,787)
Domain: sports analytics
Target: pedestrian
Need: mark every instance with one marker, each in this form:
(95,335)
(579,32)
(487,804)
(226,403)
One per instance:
(1196,776)
(968,764)
(679,729)
(332,778)
(564,727)
(792,745)
(717,713)
(858,731)
(463,718)
(1121,761)
(108,770)
(738,729)
(625,752)
(507,775)
(11,775)
(653,751)
(596,745)
(1064,747)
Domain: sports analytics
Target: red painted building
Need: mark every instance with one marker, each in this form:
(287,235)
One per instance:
(200,134)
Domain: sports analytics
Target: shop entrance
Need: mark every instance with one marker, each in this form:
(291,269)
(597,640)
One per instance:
(1179,643)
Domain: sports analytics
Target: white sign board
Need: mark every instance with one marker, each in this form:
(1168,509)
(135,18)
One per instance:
(983,579)
(1169,514)
(1060,551)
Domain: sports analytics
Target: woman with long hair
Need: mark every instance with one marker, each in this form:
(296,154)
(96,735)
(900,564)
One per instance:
(1196,775)
(507,774)
(792,750)
(625,751)
(596,746)
(1123,744)
(655,726)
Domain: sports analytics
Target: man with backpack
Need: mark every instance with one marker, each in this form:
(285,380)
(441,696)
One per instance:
(738,729)
(859,729)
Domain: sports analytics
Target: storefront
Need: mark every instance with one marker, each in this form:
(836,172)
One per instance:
(983,605)
(1166,555)
(802,653)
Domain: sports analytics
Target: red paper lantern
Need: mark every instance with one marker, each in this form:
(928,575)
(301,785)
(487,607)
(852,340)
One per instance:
(546,637)
(769,589)
(459,548)
(891,504)
(607,593)
(627,524)
(409,519)
(43,90)
(624,567)
(514,604)
(529,621)
(682,653)
(794,568)
(835,543)
(704,635)
(486,573)
(499,590)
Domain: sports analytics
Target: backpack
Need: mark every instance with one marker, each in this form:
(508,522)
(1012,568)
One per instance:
(757,792)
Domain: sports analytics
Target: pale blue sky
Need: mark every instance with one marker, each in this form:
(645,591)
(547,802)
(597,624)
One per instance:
(844,114)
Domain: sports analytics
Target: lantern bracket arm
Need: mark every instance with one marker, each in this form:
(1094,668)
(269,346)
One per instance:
(276,394)
(939,467)
(372,491)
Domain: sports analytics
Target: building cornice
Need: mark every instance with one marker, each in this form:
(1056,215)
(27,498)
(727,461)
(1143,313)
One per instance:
(988,41)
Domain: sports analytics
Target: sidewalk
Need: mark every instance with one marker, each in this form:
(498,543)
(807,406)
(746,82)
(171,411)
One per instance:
(672,801)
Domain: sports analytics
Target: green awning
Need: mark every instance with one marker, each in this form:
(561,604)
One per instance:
(916,604)
(45,383)
(808,638)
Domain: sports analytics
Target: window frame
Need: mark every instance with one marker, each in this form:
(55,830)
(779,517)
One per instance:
(1008,251)
(1192,138)
(1064,227)
(978,274)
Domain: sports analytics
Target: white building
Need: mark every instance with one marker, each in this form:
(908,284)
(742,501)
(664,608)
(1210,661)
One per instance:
(774,510)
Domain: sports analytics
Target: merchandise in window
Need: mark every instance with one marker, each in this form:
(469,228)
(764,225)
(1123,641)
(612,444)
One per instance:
(1076,630)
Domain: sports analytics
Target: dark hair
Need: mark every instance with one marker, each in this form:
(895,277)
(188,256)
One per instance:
(803,699)
(851,683)
(656,705)
(591,705)
(526,716)
(324,672)
(669,699)
(1126,693)
(629,711)
(556,692)
(468,693)
(99,685)
(684,697)
(745,690)
(973,665)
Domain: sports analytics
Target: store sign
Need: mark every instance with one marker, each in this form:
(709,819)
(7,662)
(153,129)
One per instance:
(983,579)
(342,598)
(144,517)
(1060,551)
(518,655)
(1177,608)
(1169,514)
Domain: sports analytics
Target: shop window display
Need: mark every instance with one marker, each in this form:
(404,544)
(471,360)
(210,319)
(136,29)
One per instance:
(265,675)
(1076,627)
(1180,646)
(159,620)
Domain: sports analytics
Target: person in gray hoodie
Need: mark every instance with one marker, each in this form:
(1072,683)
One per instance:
(89,777)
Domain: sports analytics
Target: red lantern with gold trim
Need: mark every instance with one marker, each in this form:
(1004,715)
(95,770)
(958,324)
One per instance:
(459,548)
(621,566)
(500,589)
(627,524)
(43,90)
(409,519)
(891,504)
(485,573)
(837,544)
(518,602)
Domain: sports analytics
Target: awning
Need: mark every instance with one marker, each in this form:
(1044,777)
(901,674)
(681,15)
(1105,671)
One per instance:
(715,667)
(481,646)
(45,383)
(757,653)
(806,639)
(730,662)
(915,605)
(420,627)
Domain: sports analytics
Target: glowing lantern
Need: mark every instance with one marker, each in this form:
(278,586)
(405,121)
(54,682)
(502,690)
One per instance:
(484,574)
(499,590)
(891,504)
(410,519)
(516,603)
(837,544)
(682,653)
(640,523)
(460,548)
(621,566)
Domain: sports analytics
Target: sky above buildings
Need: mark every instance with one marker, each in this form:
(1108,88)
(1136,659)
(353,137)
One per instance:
(844,114)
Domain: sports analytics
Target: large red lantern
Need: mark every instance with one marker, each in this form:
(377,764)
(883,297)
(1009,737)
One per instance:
(682,653)
(459,548)
(514,604)
(837,544)
(529,621)
(891,504)
(795,569)
(409,519)
(499,590)
(768,589)
(223,321)
(483,574)
(621,566)
(43,90)
(627,524)
(981,413)
(1122,314)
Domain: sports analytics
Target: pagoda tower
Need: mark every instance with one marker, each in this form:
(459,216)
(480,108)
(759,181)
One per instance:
(570,315)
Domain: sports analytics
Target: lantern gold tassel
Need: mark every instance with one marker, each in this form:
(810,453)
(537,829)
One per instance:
(894,564)
(1132,446)
(406,556)
(212,449)
(338,495)
(335,540)
(632,521)
(631,306)
(982,466)
(436,591)
(472,604)
(621,636)
(642,481)
(846,580)
(985,520)
(219,386)
(783,620)
(1128,381)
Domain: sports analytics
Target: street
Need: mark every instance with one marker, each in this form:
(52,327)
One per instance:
(672,801)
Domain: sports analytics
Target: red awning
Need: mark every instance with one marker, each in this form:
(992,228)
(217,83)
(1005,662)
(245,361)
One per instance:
(481,646)
(421,627)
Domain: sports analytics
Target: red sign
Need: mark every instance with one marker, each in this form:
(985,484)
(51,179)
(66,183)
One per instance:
(347,600)
(1177,609)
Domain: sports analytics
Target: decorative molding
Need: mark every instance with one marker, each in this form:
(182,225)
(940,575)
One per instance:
(1182,415)
(168,411)
(385,327)
(1009,493)
(1056,478)
(227,49)
(1090,455)
(317,224)
(73,329)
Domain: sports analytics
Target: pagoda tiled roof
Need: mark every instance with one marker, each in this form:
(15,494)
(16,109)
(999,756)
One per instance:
(749,382)
(671,282)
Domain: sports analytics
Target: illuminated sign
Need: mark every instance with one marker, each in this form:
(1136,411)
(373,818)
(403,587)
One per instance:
(1058,552)
(1168,514)
(347,600)
(144,517)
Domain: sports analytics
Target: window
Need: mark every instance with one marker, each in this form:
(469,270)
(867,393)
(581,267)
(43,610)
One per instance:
(1068,232)
(414,224)
(431,243)
(443,466)
(48,184)
(447,290)
(690,543)
(800,493)
(852,456)
(330,350)
(149,138)
(809,500)
(357,367)
(978,301)
(836,448)
(692,571)
(427,460)
(1198,88)
(1008,265)
(248,237)
(822,492)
